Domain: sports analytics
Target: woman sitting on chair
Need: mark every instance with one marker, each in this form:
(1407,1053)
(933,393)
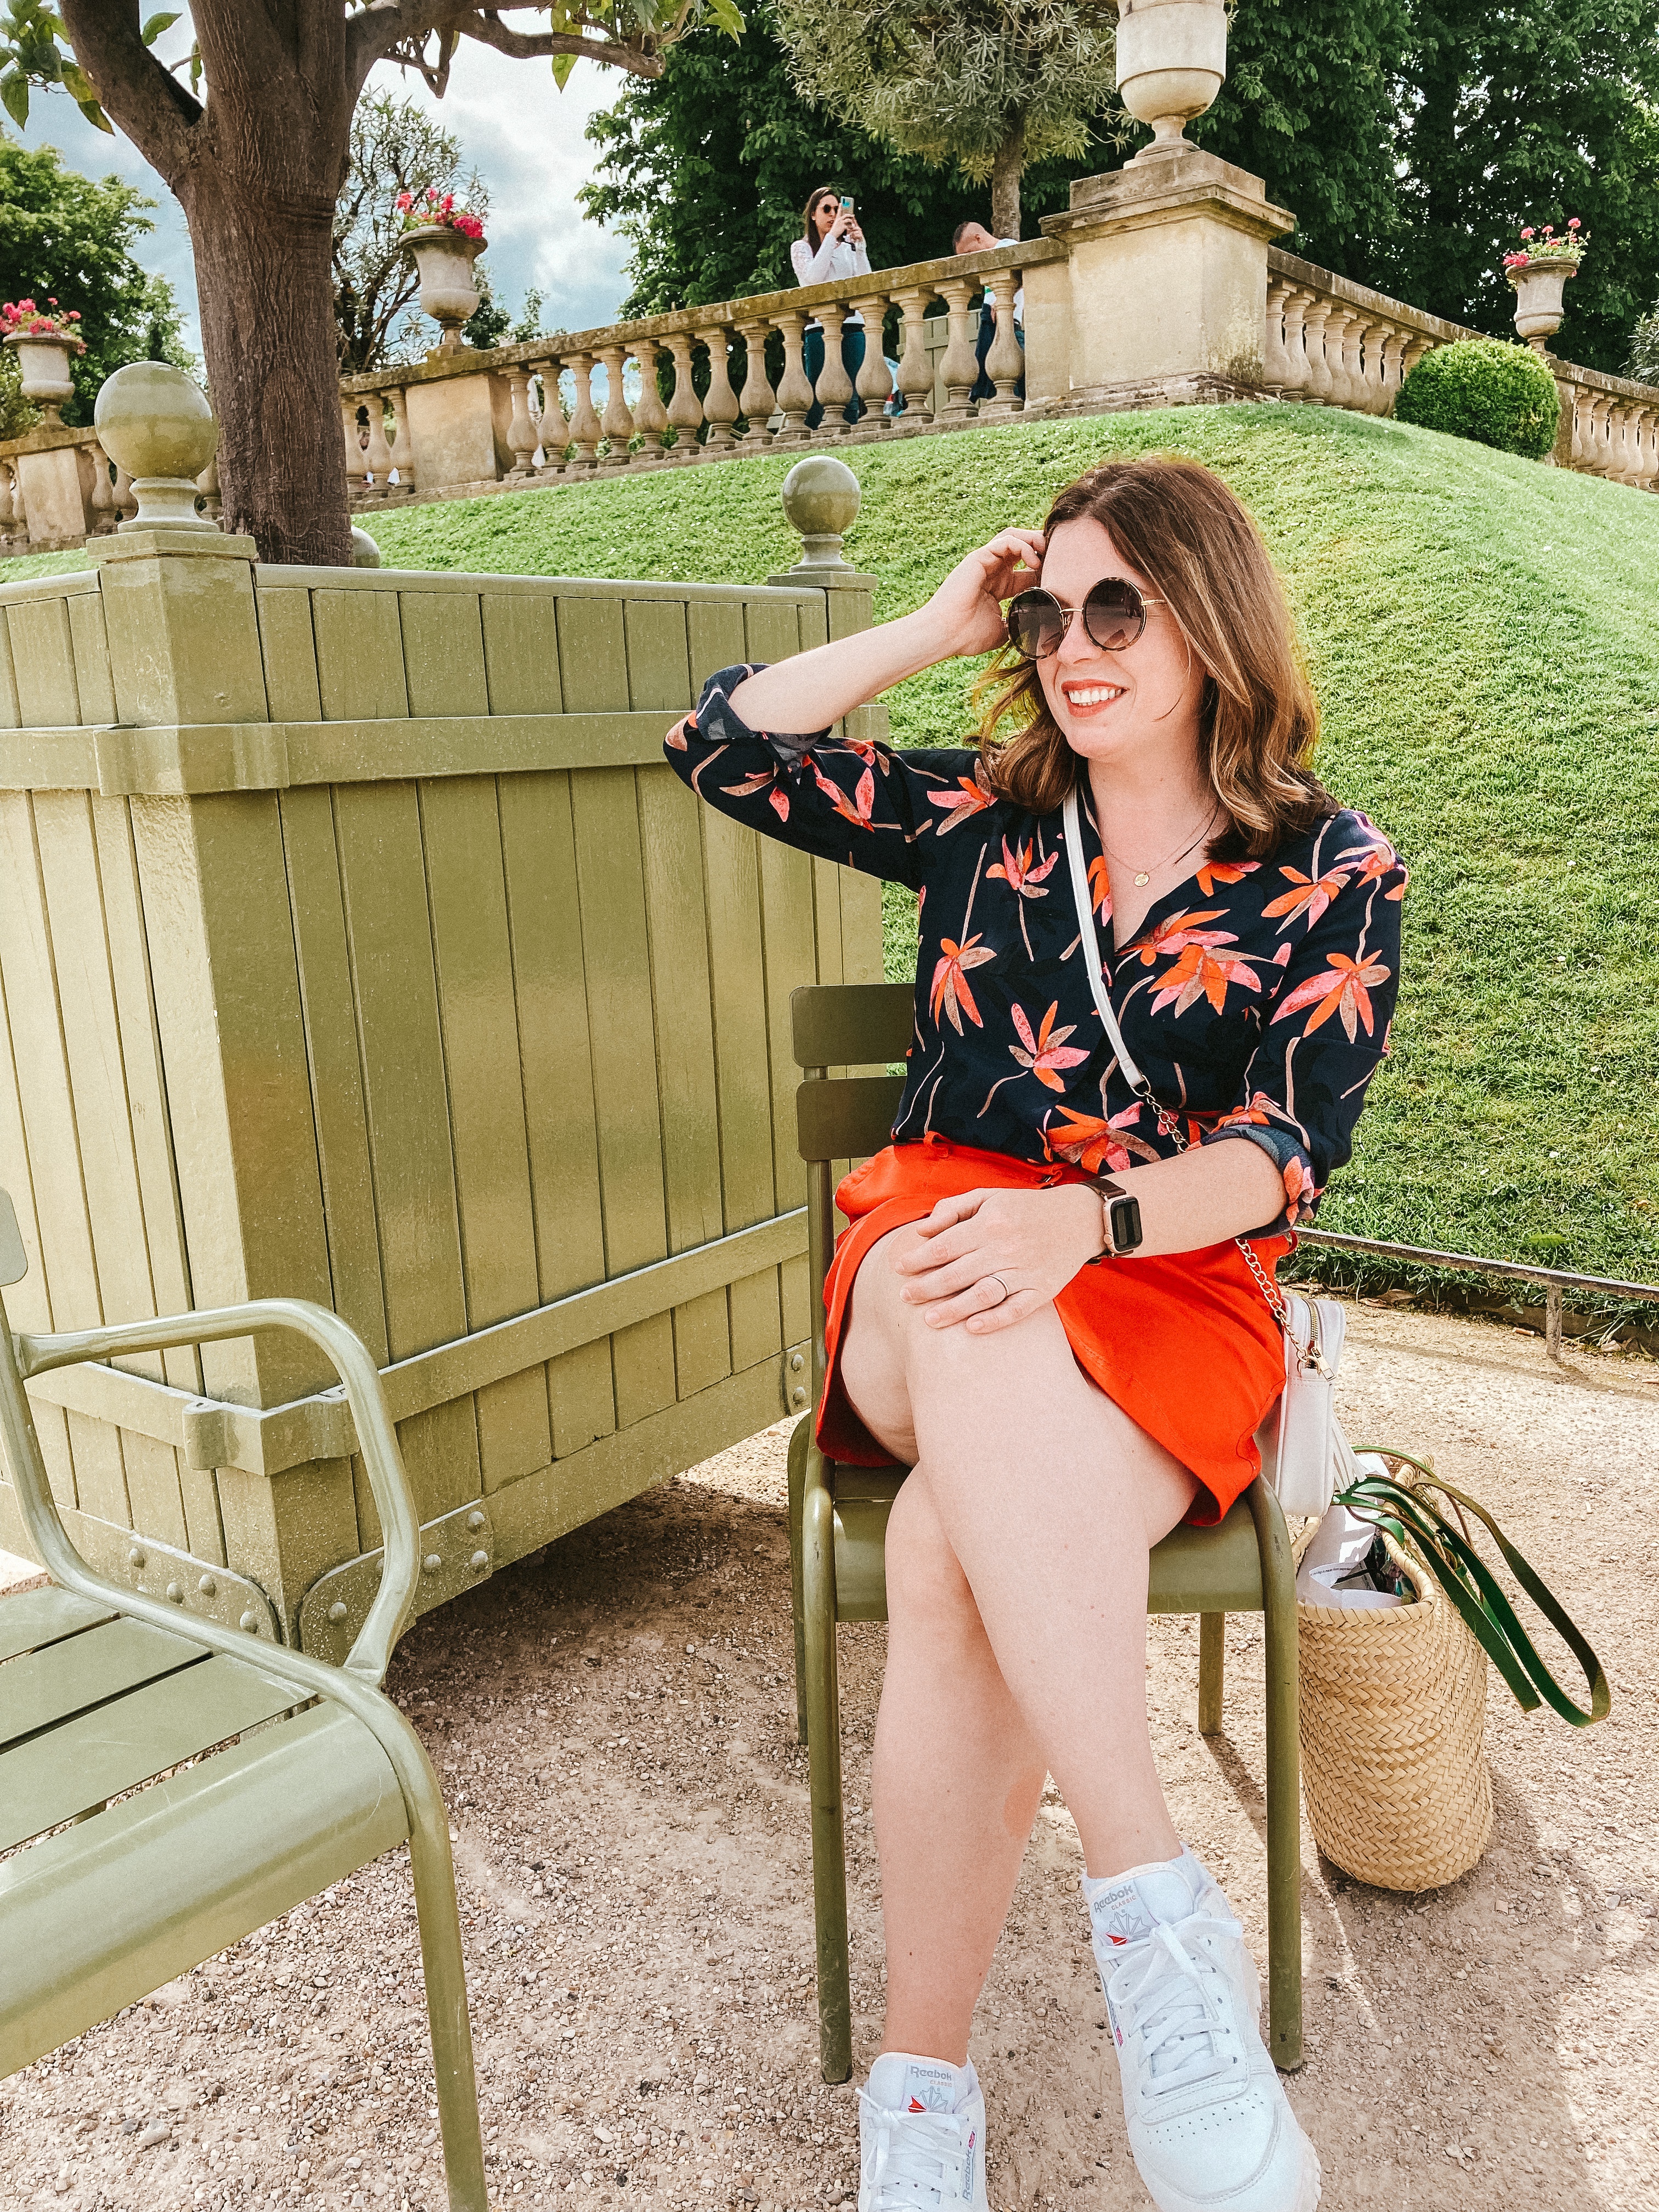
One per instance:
(1061,1416)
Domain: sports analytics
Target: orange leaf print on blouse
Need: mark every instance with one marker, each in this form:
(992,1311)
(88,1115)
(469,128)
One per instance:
(1100,886)
(1344,990)
(857,812)
(1175,934)
(1204,971)
(1016,871)
(972,795)
(1310,897)
(950,988)
(1091,1144)
(1209,873)
(1048,1049)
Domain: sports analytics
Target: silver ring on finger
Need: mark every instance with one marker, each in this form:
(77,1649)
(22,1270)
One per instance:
(1001,1285)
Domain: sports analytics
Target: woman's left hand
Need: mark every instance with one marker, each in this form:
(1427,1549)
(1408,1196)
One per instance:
(1030,1241)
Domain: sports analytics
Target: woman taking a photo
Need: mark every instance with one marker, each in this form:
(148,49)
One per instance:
(830,246)
(1040,1307)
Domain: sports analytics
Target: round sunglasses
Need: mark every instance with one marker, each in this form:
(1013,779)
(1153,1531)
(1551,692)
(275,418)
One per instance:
(1113,615)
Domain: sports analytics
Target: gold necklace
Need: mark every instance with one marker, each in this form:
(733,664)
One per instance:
(1143,876)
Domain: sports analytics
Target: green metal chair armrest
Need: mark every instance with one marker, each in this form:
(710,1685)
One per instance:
(24,1356)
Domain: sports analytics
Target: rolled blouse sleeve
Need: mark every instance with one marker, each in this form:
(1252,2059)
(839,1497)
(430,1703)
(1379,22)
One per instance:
(1325,1032)
(863,805)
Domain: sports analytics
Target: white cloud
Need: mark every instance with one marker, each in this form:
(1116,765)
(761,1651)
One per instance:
(523,134)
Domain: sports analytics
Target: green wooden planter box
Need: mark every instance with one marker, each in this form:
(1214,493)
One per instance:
(357,945)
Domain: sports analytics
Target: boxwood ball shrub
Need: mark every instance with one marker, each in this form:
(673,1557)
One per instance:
(1486,389)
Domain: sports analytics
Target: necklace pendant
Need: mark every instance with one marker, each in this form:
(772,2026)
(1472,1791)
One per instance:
(1143,879)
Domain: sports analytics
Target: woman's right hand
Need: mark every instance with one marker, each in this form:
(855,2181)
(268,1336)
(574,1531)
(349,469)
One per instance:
(967,608)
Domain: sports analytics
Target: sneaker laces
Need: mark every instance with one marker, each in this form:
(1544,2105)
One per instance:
(1178,2015)
(913,2157)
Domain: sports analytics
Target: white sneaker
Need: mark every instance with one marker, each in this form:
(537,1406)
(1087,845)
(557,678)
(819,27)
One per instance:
(921,2137)
(1209,2124)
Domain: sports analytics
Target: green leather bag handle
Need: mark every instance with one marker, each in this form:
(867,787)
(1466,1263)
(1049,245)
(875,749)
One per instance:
(1403,1509)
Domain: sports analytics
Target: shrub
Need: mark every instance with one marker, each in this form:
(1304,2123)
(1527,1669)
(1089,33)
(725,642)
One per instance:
(1643,363)
(1486,389)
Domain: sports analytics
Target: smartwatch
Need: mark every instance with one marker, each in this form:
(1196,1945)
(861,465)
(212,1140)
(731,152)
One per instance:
(1120,1219)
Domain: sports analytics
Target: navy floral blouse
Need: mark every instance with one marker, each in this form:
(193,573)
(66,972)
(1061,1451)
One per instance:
(1256,996)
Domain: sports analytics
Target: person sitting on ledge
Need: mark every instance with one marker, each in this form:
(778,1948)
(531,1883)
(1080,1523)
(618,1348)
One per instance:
(1043,1306)
(973,238)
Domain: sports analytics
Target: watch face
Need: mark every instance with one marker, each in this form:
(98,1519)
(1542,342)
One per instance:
(1127,1232)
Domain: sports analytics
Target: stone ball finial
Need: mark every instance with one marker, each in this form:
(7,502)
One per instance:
(154,421)
(365,553)
(821,498)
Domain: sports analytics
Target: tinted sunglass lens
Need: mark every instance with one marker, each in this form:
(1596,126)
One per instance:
(1114,614)
(1035,624)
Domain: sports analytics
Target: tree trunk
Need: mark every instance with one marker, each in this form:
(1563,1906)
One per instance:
(265,284)
(257,170)
(1005,166)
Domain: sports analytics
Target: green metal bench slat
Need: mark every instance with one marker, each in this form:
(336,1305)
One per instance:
(62,1772)
(848,1120)
(30,1619)
(851,1024)
(97,1915)
(46,1687)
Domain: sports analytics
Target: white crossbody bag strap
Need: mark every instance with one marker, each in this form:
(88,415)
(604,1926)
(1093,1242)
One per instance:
(1085,916)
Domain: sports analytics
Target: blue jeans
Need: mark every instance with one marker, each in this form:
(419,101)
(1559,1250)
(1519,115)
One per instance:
(984,387)
(852,359)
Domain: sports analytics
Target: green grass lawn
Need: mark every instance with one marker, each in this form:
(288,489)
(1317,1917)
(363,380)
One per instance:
(1484,635)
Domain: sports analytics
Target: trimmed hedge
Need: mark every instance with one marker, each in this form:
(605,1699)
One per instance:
(1486,389)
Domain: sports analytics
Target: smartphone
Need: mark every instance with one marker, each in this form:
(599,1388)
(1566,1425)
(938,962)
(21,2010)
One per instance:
(846,206)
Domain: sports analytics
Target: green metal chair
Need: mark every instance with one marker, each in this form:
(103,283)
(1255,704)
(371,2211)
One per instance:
(838,1527)
(302,1771)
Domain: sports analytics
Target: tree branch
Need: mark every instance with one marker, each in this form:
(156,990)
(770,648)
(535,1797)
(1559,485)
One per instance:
(154,110)
(397,30)
(488,30)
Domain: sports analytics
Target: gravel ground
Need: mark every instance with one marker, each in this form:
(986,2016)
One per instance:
(613,1722)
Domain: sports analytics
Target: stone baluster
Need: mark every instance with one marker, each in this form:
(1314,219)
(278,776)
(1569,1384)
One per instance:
(1587,454)
(403,442)
(618,421)
(8,519)
(1635,444)
(377,455)
(208,485)
(102,503)
(834,385)
(757,399)
(1276,372)
(1320,382)
(650,416)
(685,409)
(355,467)
(520,430)
(552,431)
(794,393)
(1415,347)
(1342,354)
(586,429)
(1647,460)
(915,374)
(961,368)
(1390,346)
(719,404)
(873,384)
(127,499)
(1004,364)
(1298,301)
(20,508)
(1373,338)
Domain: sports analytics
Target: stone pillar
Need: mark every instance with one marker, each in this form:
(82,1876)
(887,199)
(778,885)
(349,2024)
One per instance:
(459,426)
(1168,271)
(56,484)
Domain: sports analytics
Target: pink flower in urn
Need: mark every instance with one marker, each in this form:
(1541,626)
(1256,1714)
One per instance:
(1573,223)
(403,202)
(1526,234)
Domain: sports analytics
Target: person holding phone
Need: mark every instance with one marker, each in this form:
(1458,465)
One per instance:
(830,246)
(1053,1303)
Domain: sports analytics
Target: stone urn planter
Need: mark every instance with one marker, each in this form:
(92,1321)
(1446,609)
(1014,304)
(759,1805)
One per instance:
(1538,303)
(444,258)
(1171,63)
(44,363)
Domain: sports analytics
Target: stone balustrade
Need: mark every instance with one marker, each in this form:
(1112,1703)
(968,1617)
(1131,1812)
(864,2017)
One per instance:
(1335,343)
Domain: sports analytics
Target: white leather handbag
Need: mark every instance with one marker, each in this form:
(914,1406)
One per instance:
(1304,1455)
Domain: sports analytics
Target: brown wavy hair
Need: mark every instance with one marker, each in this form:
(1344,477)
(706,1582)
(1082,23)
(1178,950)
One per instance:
(1181,528)
(809,229)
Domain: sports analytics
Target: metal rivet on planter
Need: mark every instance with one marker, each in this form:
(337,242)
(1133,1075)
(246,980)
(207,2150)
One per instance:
(135,1557)
(208,1586)
(474,1522)
(480,1561)
(250,1621)
(175,1593)
(338,1610)
(430,1565)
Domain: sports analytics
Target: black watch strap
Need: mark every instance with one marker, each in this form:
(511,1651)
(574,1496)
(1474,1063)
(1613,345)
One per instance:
(1120,1219)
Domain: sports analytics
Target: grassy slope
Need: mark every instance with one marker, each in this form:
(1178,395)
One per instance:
(1483,635)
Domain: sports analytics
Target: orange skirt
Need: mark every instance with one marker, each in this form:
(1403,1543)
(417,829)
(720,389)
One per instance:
(1142,1330)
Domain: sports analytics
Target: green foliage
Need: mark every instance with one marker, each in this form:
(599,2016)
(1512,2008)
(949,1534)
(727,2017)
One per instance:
(1503,730)
(705,168)
(1528,114)
(990,84)
(1499,394)
(35,50)
(63,236)
(17,413)
(1309,106)
(1643,360)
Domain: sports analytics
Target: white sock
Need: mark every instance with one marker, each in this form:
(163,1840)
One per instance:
(900,2082)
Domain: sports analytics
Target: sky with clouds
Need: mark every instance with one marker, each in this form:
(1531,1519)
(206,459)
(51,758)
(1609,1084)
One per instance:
(523,134)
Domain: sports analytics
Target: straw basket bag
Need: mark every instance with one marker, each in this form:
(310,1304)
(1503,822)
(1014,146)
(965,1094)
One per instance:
(1393,1709)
